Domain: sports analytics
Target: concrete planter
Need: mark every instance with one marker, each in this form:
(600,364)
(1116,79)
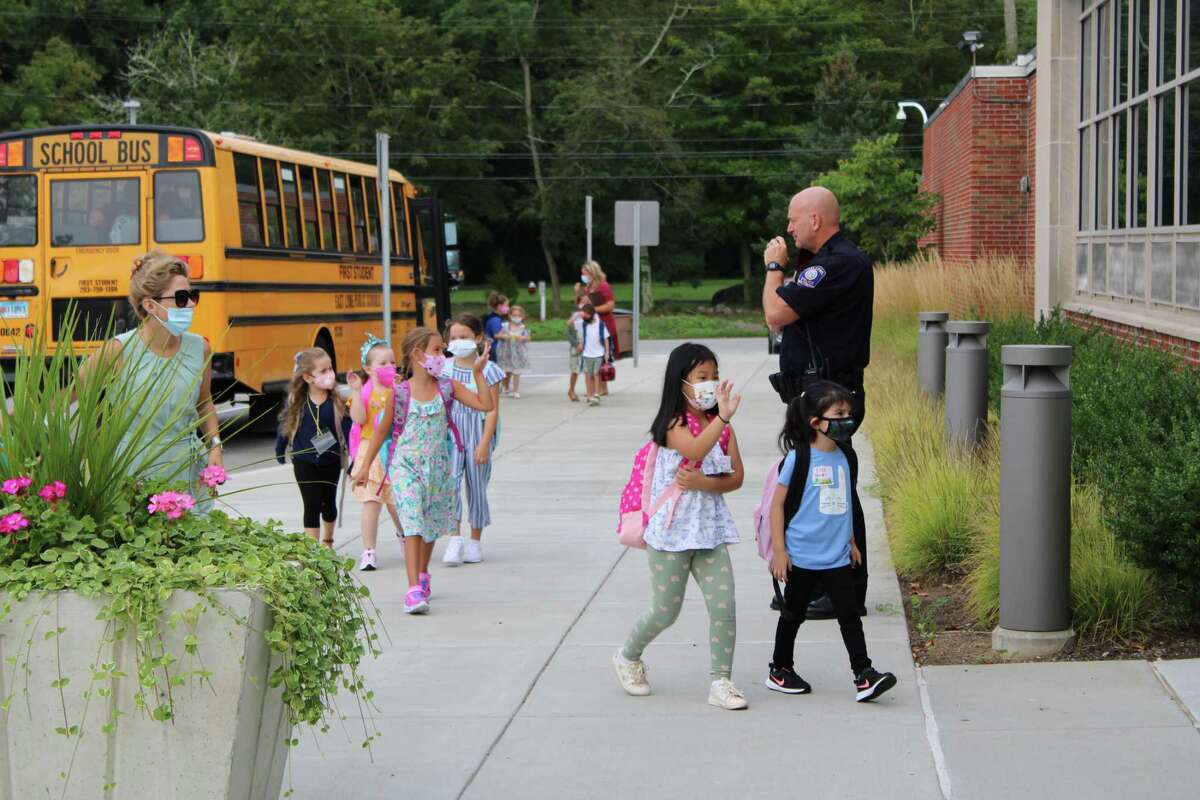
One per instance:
(228,739)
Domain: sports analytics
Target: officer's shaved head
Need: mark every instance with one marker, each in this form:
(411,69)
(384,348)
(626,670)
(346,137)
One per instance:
(813,216)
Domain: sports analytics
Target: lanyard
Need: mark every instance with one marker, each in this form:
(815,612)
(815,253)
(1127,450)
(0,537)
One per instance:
(309,404)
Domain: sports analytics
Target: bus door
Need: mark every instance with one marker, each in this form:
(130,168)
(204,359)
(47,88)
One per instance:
(97,223)
(21,261)
(430,257)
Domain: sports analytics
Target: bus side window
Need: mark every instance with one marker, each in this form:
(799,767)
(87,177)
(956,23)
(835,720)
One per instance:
(178,210)
(398,217)
(373,215)
(345,243)
(325,194)
(245,170)
(291,206)
(270,176)
(360,218)
(308,194)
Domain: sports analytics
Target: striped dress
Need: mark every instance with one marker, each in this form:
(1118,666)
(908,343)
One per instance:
(470,426)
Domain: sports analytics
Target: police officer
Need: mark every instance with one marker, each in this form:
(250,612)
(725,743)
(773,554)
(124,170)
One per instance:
(824,310)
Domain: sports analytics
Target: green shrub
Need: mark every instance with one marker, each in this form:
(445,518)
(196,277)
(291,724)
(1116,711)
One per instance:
(1110,596)
(933,513)
(1136,426)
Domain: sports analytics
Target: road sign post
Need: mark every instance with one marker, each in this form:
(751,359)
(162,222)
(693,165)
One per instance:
(636,227)
(385,238)
(587,221)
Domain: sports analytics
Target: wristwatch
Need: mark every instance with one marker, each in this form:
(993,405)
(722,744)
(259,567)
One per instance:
(215,442)
(774,266)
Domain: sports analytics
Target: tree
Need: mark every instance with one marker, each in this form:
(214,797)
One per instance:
(882,206)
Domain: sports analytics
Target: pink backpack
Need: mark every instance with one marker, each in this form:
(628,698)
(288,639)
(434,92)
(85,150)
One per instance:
(762,511)
(634,515)
(356,429)
(400,417)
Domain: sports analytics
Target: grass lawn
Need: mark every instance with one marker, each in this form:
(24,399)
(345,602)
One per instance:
(682,292)
(657,326)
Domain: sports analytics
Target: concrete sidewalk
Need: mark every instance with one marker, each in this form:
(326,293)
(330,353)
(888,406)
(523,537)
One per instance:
(506,688)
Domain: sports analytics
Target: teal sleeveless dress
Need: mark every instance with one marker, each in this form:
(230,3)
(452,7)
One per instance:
(174,417)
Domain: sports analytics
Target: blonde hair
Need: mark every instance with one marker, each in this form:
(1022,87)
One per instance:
(297,395)
(151,275)
(416,339)
(592,268)
(516,310)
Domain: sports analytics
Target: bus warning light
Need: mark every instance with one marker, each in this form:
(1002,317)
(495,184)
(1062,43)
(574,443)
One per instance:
(174,148)
(12,270)
(114,134)
(95,134)
(195,266)
(30,330)
(76,135)
(191,150)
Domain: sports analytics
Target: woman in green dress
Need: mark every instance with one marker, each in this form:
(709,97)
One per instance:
(164,371)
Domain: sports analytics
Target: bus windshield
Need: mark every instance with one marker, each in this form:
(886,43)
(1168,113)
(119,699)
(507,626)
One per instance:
(102,211)
(18,210)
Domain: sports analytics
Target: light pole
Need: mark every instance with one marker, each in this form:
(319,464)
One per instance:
(131,106)
(903,104)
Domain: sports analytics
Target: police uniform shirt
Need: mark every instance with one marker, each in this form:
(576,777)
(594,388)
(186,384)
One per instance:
(833,294)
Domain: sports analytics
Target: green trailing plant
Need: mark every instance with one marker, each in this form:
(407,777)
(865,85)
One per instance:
(75,516)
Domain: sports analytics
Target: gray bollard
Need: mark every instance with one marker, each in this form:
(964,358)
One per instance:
(931,351)
(1035,501)
(966,382)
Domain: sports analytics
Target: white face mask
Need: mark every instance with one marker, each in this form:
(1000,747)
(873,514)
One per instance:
(585,280)
(461,348)
(516,320)
(706,394)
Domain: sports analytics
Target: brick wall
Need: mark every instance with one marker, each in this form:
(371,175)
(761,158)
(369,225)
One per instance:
(976,150)
(1186,350)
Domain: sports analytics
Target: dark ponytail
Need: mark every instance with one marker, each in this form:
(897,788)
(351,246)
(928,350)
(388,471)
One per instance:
(815,401)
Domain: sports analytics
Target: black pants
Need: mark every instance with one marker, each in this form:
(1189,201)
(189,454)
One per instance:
(840,584)
(318,489)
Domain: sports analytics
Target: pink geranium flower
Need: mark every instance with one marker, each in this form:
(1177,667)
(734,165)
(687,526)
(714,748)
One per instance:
(214,476)
(172,504)
(53,492)
(13,523)
(16,485)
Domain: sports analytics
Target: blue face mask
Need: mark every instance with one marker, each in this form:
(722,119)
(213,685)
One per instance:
(178,319)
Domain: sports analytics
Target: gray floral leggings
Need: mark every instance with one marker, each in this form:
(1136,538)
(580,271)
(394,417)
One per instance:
(669,572)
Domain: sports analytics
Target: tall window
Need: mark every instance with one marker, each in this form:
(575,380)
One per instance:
(270,179)
(309,196)
(325,193)
(245,170)
(291,204)
(1139,152)
(340,189)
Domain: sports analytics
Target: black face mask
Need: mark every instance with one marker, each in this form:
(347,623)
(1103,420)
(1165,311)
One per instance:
(841,429)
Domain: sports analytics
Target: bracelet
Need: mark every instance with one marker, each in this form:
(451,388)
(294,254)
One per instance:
(722,419)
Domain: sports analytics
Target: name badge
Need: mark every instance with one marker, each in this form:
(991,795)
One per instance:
(324,442)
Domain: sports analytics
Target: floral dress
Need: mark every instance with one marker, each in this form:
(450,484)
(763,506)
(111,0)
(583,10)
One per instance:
(421,475)
(514,358)
(701,520)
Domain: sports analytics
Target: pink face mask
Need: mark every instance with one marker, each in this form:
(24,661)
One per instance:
(385,375)
(325,382)
(502,310)
(434,365)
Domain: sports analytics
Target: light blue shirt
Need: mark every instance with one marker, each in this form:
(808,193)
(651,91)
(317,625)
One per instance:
(818,537)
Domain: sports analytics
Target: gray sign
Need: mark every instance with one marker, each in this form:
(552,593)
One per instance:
(648,235)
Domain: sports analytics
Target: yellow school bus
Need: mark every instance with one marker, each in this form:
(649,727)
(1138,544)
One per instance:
(283,245)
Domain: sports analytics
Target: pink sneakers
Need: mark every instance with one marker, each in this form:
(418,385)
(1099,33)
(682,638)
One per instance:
(415,602)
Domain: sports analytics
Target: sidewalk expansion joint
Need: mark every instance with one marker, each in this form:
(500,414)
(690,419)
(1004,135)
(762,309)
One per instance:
(933,736)
(1170,690)
(545,665)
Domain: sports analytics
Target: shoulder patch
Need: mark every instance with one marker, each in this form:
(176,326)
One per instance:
(811,276)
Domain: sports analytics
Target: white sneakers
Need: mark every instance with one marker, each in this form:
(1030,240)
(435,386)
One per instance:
(723,694)
(461,550)
(631,674)
(453,557)
(367,562)
(472,551)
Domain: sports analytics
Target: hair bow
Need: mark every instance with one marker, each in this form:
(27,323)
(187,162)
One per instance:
(370,344)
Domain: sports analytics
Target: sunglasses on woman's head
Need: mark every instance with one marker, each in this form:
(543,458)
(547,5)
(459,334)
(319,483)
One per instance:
(182,296)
